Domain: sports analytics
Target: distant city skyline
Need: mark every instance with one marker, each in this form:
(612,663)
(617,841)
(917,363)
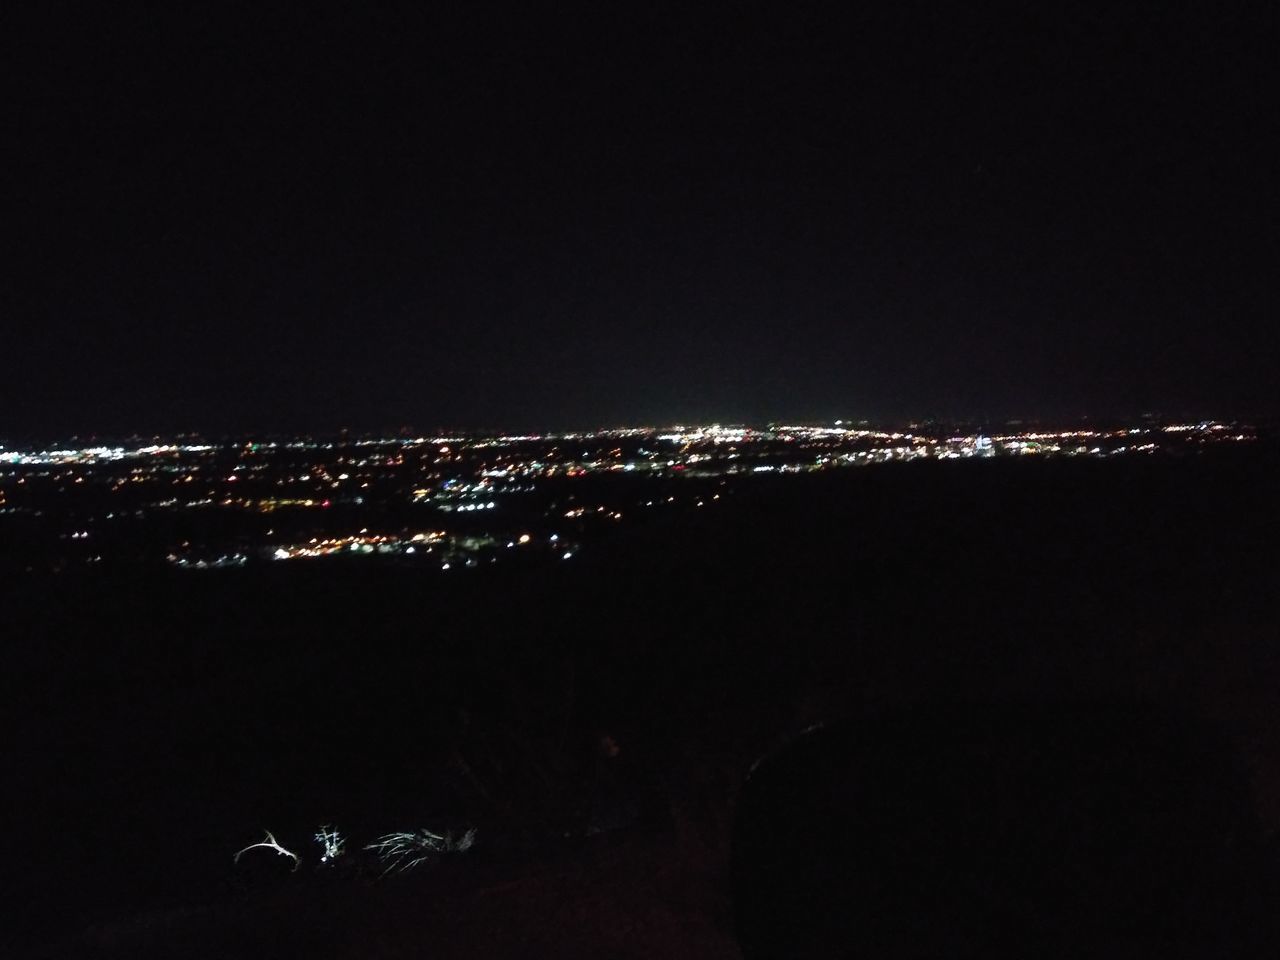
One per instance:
(17,439)
(456,501)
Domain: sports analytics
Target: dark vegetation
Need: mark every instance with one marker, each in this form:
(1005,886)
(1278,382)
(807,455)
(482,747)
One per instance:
(1006,830)
(600,717)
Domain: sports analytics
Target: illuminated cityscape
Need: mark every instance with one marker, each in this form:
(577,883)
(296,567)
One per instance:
(641,481)
(458,501)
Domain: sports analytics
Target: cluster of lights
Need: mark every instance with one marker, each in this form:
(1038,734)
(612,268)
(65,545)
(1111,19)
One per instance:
(360,543)
(538,478)
(219,562)
(579,512)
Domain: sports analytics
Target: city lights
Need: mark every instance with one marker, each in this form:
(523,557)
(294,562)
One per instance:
(459,501)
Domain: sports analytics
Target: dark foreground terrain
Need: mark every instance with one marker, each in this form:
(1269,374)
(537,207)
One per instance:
(595,722)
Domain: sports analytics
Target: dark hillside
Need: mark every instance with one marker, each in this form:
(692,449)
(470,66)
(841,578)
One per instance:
(159,720)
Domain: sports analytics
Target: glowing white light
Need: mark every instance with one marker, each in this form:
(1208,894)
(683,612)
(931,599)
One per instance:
(567,555)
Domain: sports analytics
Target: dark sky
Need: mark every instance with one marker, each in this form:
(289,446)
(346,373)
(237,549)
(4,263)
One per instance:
(224,219)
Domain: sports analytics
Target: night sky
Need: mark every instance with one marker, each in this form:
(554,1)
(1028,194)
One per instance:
(223,219)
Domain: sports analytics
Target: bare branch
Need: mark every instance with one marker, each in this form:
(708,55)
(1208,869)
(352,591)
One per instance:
(269,844)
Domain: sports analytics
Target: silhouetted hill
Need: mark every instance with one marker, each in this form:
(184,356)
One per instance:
(159,720)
